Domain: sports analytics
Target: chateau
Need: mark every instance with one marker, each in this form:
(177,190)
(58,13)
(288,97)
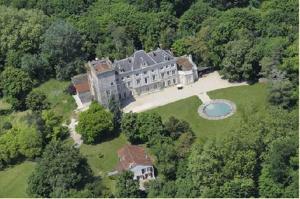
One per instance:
(136,75)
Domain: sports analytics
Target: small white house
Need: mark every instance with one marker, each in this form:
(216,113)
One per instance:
(134,158)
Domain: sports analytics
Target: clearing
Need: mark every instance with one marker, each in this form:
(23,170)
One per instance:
(13,180)
(253,96)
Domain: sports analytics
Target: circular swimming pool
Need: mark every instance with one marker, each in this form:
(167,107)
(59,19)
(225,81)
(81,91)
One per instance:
(217,109)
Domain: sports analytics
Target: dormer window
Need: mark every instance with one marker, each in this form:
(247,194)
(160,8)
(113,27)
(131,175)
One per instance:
(166,57)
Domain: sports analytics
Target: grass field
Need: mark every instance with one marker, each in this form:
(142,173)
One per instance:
(101,165)
(13,180)
(61,102)
(186,109)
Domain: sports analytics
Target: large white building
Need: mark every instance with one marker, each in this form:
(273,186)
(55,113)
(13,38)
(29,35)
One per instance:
(135,75)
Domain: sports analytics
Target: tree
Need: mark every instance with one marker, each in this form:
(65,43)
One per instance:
(176,127)
(149,125)
(95,124)
(236,63)
(129,127)
(37,101)
(52,126)
(190,21)
(126,186)
(282,93)
(62,49)
(142,127)
(18,142)
(225,4)
(29,141)
(20,34)
(280,170)
(114,108)
(60,169)
(37,67)
(16,84)
(161,189)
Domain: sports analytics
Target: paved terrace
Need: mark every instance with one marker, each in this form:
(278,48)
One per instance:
(205,84)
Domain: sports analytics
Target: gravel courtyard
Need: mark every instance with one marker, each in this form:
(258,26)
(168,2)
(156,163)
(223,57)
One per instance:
(205,84)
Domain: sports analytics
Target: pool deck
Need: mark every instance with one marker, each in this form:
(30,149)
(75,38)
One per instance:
(204,97)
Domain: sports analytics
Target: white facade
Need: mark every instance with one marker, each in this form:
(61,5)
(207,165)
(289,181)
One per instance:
(143,172)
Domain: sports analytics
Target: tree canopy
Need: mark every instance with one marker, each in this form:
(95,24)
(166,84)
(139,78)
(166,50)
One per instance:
(60,169)
(95,124)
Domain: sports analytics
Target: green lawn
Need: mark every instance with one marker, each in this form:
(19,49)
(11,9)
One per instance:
(61,102)
(13,180)
(100,166)
(242,96)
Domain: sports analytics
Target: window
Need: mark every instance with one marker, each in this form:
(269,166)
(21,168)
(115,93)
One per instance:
(112,83)
(153,77)
(122,78)
(124,95)
(168,73)
(169,82)
(128,77)
(174,81)
(146,80)
(162,75)
(137,74)
(152,70)
(128,84)
(173,72)
(145,72)
(143,171)
(108,92)
(161,68)
(138,81)
(155,86)
(167,66)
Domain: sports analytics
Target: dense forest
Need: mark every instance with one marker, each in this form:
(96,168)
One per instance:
(246,40)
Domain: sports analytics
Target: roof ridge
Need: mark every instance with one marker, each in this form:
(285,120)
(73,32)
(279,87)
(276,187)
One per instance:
(129,152)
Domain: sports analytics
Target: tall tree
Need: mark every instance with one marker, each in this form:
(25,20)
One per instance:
(16,84)
(95,124)
(21,32)
(37,101)
(126,186)
(115,109)
(62,48)
(61,168)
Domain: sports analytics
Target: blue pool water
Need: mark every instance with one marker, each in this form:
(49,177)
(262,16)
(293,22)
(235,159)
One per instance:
(217,109)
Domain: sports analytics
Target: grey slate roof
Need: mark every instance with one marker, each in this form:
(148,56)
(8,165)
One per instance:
(141,59)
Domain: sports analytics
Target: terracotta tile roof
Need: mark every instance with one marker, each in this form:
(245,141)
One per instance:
(101,65)
(81,83)
(184,63)
(131,155)
(82,87)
